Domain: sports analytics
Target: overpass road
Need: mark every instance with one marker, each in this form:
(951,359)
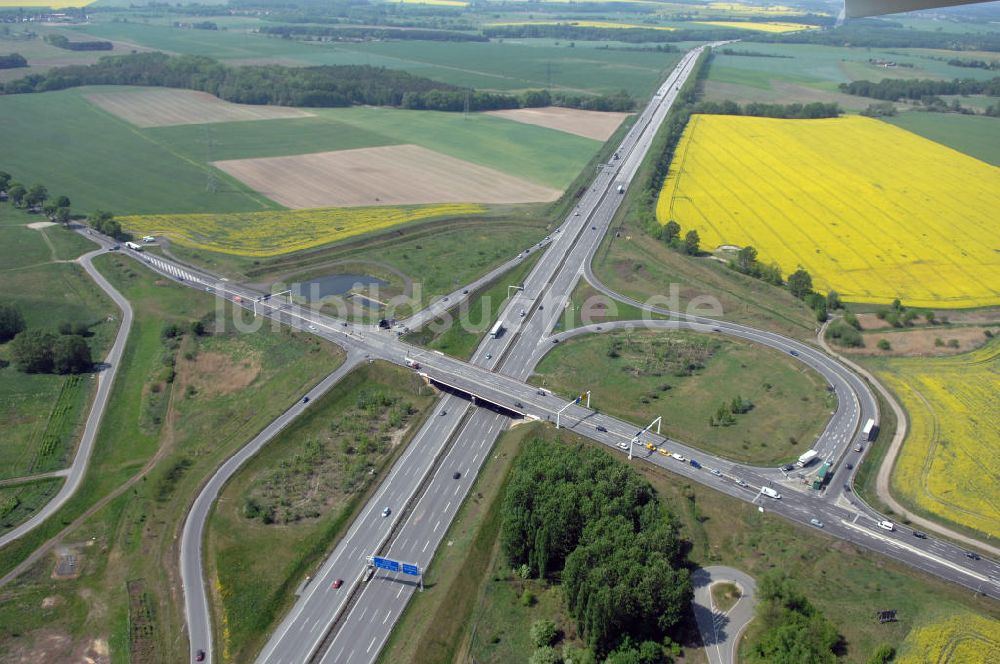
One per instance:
(351,623)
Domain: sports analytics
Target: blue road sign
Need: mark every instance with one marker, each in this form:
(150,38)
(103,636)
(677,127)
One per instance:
(385,563)
(412,570)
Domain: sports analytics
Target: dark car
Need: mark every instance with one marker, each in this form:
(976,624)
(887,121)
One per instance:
(305,399)
(972,555)
(518,404)
(116,247)
(337,584)
(847,488)
(794,353)
(455,475)
(919,534)
(601,429)
(555,341)
(465,291)
(694,464)
(593,228)
(850,466)
(786,467)
(199,656)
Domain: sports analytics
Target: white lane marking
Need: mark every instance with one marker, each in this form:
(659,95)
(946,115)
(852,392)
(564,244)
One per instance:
(400,591)
(448,506)
(387,614)
(898,544)
(455,492)
(371,644)
(425,546)
(436,525)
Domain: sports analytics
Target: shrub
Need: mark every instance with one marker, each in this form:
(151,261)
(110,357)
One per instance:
(883,344)
(543,633)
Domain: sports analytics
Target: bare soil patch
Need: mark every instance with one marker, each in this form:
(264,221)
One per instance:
(391,175)
(168,107)
(923,341)
(589,124)
(39,225)
(216,374)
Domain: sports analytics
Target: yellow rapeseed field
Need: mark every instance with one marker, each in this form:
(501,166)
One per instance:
(960,639)
(870,210)
(759,10)
(586,24)
(760,26)
(275,232)
(949,465)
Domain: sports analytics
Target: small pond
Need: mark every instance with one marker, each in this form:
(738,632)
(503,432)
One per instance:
(334,284)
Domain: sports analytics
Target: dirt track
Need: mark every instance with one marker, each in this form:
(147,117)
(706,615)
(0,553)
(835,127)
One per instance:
(391,175)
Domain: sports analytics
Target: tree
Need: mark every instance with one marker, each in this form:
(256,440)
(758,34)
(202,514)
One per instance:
(71,355)
(32,351)
(49,210)
(546,655)
(63,215)
(17,192)
(37,195)
(543,633)
(746,258)
(833,300)
(671,231)
(800,283)
(11,322)
(63,201)
(691,242)
(4,179)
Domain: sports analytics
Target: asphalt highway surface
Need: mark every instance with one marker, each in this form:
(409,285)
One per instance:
(721,630)
(351,623)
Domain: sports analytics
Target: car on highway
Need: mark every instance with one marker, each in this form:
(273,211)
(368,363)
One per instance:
(887,525)
(847,488)
(816,522)
(770,493)
(305,399)
(489,356)
(337,584)
(694,464)
(858,447)
(455,475)
(199,656)
(523,313)
(465,291)
(601,429)
(622,444)
(593,228)
(715,329)
(675,455)
(386,512)
(919,534)
(555,341)
(576,214)
(541,393)
(786,467)
(715,471)
(742,483)
(972,555)
(793,353)
(518,404)
(850,466)
(312,327)
(444,412)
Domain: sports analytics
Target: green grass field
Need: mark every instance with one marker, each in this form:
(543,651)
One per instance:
(508,65)
(223,392)
(639,375)
(61,139)
(720,530)
(461,333)
(975,135)
(19,502)
(40,413)
(252,592)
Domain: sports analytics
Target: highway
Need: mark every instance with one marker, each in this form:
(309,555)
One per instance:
(105,379)
(350,624)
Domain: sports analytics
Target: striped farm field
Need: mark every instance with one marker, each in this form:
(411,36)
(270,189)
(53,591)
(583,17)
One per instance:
(962,638)
(870,210)
(761,26)
(275,232)
(949,465)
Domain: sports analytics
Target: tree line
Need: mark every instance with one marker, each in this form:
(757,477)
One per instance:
(581,516)
(354,33)
(35,196)
(37,351)
(12,61)
(59,41)
(591,33)
(792,629)
(324,86)
(890,89)
(808,111)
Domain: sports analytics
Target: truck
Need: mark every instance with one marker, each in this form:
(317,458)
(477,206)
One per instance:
(807,458)
(496,330)
(870,431)
(413,364)
(770,493)
(823,476)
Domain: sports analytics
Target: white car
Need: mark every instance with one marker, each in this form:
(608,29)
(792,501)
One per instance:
(677,456)
(386,512)
(770,493)
(623,445)
(312,327)
(816,522)
(887,525)
(715,472)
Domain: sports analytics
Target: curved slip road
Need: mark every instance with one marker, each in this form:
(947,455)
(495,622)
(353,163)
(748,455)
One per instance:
(721,631)
(105,379)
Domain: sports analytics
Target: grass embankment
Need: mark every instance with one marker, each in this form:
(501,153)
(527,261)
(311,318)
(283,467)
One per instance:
(686,378)
(295,498)
(178,408)
(947,469)
(460,333)
(40,414)
(722,531)
(588,306)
